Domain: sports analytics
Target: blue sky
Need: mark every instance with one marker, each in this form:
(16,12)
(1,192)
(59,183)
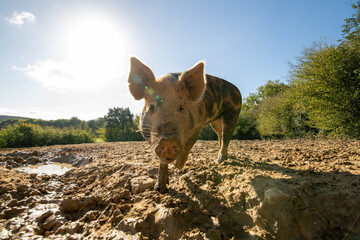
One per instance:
(65,58)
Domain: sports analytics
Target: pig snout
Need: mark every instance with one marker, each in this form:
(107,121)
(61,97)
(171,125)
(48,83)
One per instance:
(168,148)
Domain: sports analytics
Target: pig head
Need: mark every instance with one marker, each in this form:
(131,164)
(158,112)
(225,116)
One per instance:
(177,107)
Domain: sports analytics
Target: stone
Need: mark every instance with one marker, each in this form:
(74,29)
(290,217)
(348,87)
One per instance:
(141,183)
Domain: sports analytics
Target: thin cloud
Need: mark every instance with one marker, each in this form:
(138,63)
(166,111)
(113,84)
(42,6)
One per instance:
(33,112)
(38,113)
(9,112)
(64,77)
(21,18)
(55,76)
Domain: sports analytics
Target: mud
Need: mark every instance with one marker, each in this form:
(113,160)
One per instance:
(296,189)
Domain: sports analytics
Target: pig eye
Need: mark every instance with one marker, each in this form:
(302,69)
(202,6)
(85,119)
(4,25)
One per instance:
(181,108)
(152,108)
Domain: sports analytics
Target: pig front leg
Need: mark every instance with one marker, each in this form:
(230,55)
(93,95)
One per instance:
(163,178)
(180,161)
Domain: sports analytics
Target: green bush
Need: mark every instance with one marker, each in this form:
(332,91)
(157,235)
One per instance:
(30,135)
(120,125)
(246,128)
(207,133)
(327,83)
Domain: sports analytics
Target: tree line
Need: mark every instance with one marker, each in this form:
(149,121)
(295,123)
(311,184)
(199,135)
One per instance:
(118,125)
(36,132)
(320,98)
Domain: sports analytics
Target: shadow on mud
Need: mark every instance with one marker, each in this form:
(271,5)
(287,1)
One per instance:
(301,205)
(213,216)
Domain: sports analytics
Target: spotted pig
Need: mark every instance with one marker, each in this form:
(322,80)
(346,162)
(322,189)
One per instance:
(177,107)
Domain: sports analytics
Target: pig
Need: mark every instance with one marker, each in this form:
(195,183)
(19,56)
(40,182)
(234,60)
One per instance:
(177,107)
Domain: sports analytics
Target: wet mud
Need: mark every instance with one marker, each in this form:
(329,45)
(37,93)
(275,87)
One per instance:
(295,189)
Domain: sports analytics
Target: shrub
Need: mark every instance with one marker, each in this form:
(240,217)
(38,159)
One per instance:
(30,135)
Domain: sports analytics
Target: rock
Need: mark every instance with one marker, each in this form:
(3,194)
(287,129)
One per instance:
(33,160)
(12,203)
(90,216)
(34,192)
(12,212)
(274,196)
(275,215)
(70,228)
(22,188)
(215,222)
(141,183)
(69,205)
(42,217)
(130,224)
(50,222)
(47,221)
(125,194)
(19,160)
(194,234)
(164,220)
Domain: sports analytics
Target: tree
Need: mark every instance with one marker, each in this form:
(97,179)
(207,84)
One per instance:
(351,29)
(75,122)
(97,128)
(327,83)
(281,117)
(248,123)
(119,125)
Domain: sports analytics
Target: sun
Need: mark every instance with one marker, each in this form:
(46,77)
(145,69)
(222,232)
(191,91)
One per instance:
(93,46)
(92,37)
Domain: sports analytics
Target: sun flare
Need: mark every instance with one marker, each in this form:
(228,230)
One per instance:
(94,47)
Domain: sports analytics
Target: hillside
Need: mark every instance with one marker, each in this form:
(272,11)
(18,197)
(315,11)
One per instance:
(6,117)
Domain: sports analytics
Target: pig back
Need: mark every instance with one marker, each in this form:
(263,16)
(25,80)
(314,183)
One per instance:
(220,96)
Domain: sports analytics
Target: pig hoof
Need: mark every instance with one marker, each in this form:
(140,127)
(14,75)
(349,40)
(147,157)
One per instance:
(221,158)
(159,188)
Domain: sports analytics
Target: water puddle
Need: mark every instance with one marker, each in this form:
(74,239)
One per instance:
(41,163)
(52,168)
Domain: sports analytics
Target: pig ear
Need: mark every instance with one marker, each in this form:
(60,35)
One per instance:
(140,76)
(194,81)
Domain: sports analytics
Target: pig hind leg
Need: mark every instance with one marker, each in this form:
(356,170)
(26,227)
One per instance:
(224,127)
(217,126)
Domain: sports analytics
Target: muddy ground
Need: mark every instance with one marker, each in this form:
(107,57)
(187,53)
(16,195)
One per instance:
(295,189)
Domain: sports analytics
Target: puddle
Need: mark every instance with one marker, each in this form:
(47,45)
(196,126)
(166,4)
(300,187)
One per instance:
(53,168)
(42,163)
